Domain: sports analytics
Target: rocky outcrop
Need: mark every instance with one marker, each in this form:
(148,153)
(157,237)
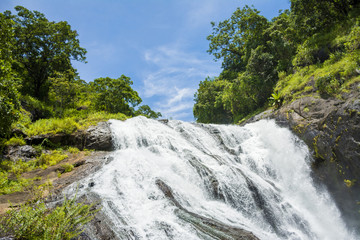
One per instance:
(24,153)
(97,137)
(331,129)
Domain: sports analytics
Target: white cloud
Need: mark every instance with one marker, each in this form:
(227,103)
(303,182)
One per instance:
(174,77)
(181,94)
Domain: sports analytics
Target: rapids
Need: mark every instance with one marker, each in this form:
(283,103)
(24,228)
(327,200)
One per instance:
(256,178)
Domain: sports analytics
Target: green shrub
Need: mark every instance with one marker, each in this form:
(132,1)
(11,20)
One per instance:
(37,108)
(36,221)
(15,141)
(276,100)
(328,84)
(67,167)
(24,120)
(73,150)
(95,117)
(304,56)
(69,125)
(336,74)
(52,125)
(19,184)
(20,166)
(17,167)
(353,41)
(51,159)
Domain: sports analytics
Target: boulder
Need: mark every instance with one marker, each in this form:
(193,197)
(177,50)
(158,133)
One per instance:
(25,152)
(99,137)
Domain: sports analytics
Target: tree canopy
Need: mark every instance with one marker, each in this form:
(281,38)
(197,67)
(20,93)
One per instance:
(42,49)
(9,96)
(115,95)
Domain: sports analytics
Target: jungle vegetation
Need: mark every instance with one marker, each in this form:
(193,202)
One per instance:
(270,61)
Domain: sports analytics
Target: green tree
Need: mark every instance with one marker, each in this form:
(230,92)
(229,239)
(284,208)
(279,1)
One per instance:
(239,98)
(311,16)
(261,74)
(9,97)
(42,48)
(146,111)
(115,95)
(64,90)
(209,105)
(234,38)
(283,40)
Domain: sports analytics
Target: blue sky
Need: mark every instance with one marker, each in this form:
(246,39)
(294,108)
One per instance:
(160,44)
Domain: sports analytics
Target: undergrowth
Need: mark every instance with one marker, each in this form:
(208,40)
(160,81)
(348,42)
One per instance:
(11,179)
(15,141)
(34,220)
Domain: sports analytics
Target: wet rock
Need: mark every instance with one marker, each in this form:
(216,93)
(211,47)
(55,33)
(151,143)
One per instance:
(100,227)
(165,121)
(25,152)
(204,225)
(82,236)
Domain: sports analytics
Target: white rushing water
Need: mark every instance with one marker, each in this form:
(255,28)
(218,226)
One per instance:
(255,177)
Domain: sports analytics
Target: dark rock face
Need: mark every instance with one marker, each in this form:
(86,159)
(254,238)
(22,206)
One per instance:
(21,152)
(97,137)
(331,129)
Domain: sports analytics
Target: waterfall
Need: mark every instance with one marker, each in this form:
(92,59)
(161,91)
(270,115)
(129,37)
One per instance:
(180,180)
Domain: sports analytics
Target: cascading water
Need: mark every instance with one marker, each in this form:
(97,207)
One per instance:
(183,180)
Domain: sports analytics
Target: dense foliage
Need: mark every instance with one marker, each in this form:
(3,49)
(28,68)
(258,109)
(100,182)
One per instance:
(259,55)
(40,49)
(9,97)
(115,95)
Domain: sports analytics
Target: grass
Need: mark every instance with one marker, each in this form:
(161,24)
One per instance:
(69,125)
(15,141)
(11,179)
(67,167)
(46,160)
(73,150)
(11,185)
(52,126)
(331,77)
